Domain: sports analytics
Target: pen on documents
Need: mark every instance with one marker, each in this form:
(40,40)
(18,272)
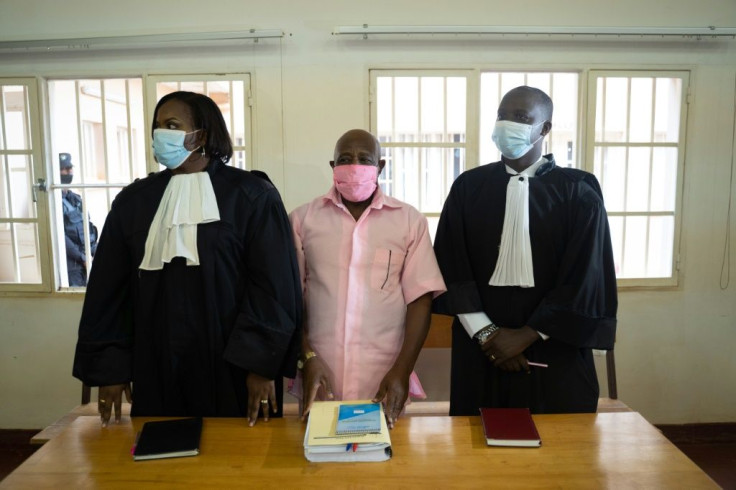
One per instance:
(347,448)
(538,364)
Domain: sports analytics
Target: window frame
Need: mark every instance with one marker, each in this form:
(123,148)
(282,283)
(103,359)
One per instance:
(51,252)
(592,77)
(38,171)
(150,100)
(472,115)
(585,130)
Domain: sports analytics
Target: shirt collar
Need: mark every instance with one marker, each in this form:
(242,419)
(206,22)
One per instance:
(530,171)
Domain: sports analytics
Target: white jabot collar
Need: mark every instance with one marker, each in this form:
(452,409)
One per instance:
(188,200)
(515,266)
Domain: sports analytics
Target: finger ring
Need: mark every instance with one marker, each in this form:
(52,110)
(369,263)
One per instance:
(264,401)
(493,358)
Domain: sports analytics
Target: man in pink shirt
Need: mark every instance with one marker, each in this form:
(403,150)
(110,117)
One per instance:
(368,275)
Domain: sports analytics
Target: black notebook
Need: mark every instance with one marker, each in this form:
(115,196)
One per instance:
(168,439)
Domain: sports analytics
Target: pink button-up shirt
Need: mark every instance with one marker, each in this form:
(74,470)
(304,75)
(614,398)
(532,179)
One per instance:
(357,278)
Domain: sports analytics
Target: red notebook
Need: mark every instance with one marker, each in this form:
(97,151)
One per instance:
(509,427)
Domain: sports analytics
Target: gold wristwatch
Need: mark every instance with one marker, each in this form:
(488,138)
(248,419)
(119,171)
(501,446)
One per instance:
(304,358)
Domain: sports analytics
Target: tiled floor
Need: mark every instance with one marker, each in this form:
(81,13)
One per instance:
(717,459)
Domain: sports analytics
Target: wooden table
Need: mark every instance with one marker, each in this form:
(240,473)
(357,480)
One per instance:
(608,450)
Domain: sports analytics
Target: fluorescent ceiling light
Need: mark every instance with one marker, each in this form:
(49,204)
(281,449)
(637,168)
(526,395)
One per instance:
(695,32)
(142,41)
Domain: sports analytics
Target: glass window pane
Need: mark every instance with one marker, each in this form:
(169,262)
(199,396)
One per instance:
(165,88)
(219,91)
(615,109)
(15,115)
(190,86)
(664,179)
(635,247)
(454,166)
(30,264)
(386,178)
(98,202)
(456,108)
(8,265)
(63,123)
(616,224)
(115,148)
(667,110)
(614,177)
(91,167)
(432,223)
(19,257)
(238,160)
(19,167)
(230,98)
(433,177)
(138,129)
(511,80)
(640,124)
(238,111)
(403,174)
(406,108)
(661,233)
(562,89)
(4,187)
(563,139)
(637,187)
(542,81)
(384,109)
(433,109)
(599,106)
(489,100)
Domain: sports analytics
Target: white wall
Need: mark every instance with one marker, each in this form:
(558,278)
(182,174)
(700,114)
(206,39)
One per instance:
(674,350)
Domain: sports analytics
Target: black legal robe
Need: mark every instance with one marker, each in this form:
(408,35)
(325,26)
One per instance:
(573,301)
(187,336)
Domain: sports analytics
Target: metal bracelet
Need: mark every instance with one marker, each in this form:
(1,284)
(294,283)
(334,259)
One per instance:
(485,333)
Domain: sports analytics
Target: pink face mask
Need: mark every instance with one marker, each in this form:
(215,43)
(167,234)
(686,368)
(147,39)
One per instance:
(356,183)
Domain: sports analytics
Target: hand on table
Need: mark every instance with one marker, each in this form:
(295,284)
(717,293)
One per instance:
(109,397)
(261,394)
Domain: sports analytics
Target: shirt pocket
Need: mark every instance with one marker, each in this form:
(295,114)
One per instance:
(386,269)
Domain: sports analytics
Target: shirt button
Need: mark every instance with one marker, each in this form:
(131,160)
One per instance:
(521,179)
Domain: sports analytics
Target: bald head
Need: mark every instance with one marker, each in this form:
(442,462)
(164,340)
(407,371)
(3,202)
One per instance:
(531,97)
(358,141)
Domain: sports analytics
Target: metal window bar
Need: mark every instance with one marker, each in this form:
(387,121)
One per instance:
(5,143)
(129,123)
(626,173)
(551,137)
(421,171)
(9,197)
(445,135)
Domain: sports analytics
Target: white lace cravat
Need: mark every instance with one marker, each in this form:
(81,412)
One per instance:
(188,200)
(515,266)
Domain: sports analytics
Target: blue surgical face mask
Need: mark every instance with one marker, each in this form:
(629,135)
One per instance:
(513,139)
(168,147)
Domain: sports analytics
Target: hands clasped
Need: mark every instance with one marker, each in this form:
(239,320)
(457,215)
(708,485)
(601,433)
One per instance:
(505,348)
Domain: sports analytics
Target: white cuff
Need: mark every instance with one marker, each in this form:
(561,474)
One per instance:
(474,322)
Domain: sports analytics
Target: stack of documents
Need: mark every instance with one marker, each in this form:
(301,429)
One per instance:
(322,442)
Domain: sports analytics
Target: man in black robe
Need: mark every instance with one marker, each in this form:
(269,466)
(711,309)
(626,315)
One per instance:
(539,233)
(190,337)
